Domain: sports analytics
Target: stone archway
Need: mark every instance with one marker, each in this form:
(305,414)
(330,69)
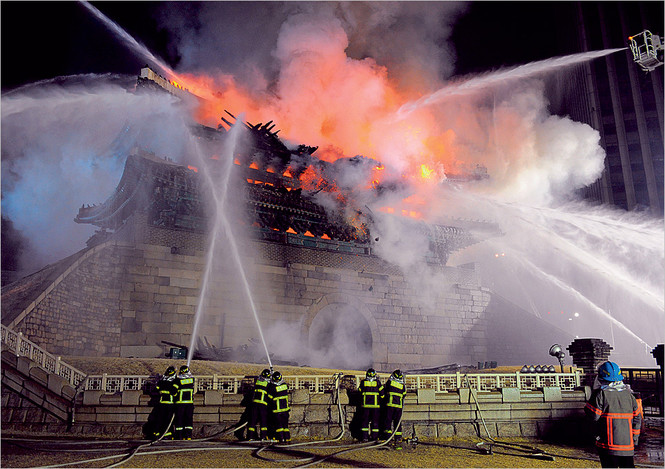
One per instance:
(341,333)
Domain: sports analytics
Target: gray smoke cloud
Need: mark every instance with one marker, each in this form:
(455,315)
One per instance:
(65,146)
(239,38)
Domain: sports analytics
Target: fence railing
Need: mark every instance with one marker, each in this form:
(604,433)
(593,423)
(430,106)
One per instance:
(314,383)
(318,384)
(23,347)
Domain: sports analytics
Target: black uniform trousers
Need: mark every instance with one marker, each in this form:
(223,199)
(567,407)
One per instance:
(281,422)
(163,424)
(392,416)
(369,422)
(610,460)
(184,421)
(257,428)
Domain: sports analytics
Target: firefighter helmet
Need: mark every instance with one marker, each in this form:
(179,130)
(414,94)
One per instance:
(265,373)
(276,377)
(610,371)
(170,371)
(184,369)
(397,375)
(371,374)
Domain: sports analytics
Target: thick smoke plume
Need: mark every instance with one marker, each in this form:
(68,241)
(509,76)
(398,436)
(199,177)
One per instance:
(327,76)
(65,146)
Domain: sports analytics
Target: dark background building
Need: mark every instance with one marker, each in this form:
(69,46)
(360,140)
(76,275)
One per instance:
(612,94)
(624,103)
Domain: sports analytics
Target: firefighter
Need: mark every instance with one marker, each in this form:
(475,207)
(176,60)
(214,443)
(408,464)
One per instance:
(370,389)
(167,390)
(392,399)
(258,410)
(184,404)
(617,413)
(278,392)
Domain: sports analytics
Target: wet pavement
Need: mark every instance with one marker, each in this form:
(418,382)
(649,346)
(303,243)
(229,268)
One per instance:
(649,451)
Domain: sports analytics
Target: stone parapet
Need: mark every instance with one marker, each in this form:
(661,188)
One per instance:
(588,354)
(123,414)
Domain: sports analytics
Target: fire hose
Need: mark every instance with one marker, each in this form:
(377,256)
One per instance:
(534,452)
(134,451)
(316,459)
(308,460)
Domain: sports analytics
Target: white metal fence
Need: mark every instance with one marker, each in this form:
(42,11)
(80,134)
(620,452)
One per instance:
(22,347)
(314,383)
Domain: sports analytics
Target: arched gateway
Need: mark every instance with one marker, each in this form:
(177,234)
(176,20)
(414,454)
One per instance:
(341,332)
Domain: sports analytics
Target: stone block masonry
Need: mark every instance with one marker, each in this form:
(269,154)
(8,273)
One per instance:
(123,415)
(142,287)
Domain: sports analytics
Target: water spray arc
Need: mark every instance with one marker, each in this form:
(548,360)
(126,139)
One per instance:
(221,225)
(479,83)
(221,222)
(129,41)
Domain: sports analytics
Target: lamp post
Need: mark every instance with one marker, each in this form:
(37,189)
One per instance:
(556,351)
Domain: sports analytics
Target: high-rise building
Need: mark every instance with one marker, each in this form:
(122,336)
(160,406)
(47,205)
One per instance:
(622,101)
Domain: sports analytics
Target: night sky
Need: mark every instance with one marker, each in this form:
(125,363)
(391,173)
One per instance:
(42,40)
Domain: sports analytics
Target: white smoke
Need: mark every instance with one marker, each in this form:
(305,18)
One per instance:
(63,147)
(530,154)
(326,71)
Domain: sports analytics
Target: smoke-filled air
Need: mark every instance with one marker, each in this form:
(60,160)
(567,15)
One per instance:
(327,76)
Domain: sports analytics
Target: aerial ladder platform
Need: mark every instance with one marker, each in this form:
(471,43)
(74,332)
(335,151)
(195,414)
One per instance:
(647,49)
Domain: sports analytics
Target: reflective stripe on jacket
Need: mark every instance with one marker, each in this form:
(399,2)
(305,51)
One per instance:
(370,390)
(393,393)
(167,389)
(260,392)
(619,419)
(279,394)
(185,390)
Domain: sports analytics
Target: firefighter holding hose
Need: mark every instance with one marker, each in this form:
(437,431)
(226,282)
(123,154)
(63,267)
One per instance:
(370,389)
(167,390)
(278,392)
(392,398)
(617,413)
(184,404)
(258,411)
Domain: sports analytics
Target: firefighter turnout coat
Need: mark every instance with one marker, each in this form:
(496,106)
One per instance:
(184,407)
(258,416)
(279,399)
(618,418)
(392,396)
(167,389)
(370,389)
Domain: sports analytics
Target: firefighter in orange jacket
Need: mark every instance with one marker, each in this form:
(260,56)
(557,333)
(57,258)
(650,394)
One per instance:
(278,392)
(184,404)
(616,411)
(393,400)
(370,407)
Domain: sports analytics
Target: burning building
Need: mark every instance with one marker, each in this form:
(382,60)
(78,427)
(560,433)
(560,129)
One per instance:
(322,295)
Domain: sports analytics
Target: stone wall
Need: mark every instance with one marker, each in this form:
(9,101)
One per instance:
(142,287)
(527,414)
(78,314)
